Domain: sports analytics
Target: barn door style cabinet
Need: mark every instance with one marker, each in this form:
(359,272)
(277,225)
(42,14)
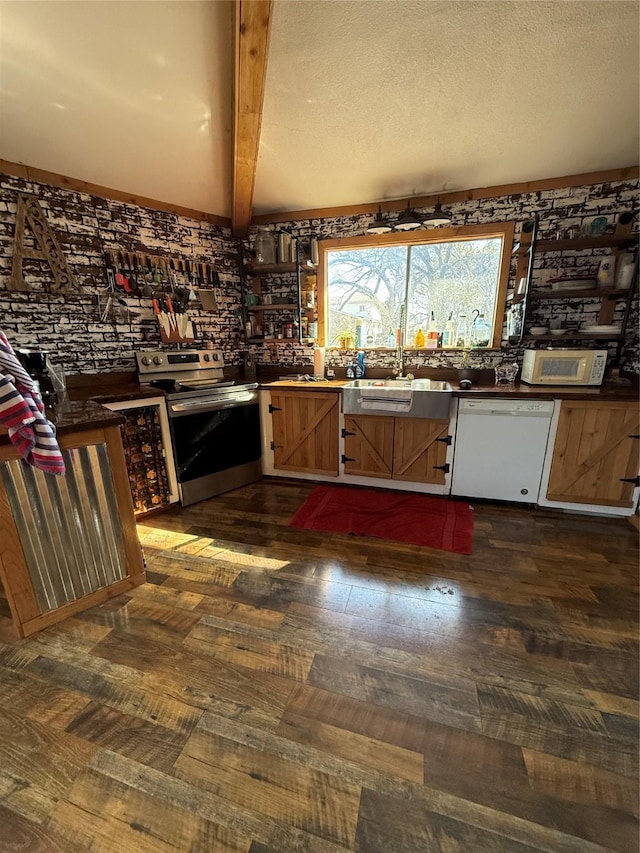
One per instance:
(409,449)
(305,431)
(595,454)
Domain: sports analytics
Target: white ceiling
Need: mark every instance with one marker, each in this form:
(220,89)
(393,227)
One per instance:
(364,100)
(136,96)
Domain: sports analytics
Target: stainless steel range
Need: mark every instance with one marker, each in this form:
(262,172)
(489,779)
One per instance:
(215,422)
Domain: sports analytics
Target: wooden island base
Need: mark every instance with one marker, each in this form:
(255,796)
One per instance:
(68,543)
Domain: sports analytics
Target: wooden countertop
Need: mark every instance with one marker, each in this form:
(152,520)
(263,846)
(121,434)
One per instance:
(606,392)
(301,385)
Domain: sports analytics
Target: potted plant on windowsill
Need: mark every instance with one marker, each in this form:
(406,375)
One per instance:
(345,339)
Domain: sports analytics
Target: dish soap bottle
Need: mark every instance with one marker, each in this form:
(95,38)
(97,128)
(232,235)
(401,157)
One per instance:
(448,333)
(419,338)
(391,340)
(360,366)
(432,334)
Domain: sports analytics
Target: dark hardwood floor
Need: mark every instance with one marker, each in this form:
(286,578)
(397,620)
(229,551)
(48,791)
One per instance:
(273,690)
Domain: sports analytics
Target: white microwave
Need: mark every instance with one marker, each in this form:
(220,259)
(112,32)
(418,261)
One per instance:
(564,366)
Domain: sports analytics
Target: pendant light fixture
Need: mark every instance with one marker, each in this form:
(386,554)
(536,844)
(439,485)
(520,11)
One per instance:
(438,217)
(408,220)
(379,225)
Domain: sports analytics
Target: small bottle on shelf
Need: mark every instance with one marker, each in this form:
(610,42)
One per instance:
(432,334)
(358,332)
(391,339)
(448,333)
(418,339)
(462,331)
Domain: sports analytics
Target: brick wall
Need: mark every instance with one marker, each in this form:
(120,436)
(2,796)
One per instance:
(87,226)
(557,210)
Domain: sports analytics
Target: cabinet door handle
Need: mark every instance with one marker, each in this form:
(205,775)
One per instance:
(346,432)
(444,468)
(347,459)
(634,436)
(273,409)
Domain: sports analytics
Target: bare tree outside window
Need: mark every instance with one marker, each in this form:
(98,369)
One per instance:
(366,287)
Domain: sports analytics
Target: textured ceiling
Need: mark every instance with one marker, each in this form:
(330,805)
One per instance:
(364,100)
(373,100)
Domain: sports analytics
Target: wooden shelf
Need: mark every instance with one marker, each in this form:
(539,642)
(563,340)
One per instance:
(274,269)
(592,293)
(606,241)
(276,306)
(277,340)
(572,336)
(270,269)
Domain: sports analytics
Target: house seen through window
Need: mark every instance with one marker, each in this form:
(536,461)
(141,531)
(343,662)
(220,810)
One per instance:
(452,282)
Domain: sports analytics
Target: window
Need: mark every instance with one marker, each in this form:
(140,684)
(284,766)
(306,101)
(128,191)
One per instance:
(451,281)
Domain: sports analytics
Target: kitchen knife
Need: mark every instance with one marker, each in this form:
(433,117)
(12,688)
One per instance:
(121,278)
(132,266)
(172,314)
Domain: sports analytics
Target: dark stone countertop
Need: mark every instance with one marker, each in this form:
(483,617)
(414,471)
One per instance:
(72,416)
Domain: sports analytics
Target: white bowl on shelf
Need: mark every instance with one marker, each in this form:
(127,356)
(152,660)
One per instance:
(557,333)
(539,330)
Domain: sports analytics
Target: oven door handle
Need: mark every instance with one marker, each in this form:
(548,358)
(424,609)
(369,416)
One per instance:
(190,407)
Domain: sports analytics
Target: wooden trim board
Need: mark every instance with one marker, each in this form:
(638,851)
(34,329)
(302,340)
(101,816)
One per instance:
(42,176)
(251,48)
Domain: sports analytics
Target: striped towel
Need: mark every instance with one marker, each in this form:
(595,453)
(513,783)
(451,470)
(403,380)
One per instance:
(22,413)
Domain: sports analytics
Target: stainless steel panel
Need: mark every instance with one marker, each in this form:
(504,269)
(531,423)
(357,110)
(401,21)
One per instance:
(69,526)
(190,407)
(223,481)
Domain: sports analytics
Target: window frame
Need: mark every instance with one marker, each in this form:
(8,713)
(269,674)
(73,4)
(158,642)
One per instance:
(505,230)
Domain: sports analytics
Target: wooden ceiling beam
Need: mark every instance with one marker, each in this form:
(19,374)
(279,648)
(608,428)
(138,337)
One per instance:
(251,33)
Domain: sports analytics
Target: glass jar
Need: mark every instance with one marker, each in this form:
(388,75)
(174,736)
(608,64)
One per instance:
(265,246)
(480,331)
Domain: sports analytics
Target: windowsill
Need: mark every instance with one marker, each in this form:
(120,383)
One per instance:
(413,349)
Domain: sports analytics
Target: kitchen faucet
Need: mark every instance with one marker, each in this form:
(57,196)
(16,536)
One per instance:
(399,368)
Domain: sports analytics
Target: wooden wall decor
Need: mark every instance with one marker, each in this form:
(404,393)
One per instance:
(30,212)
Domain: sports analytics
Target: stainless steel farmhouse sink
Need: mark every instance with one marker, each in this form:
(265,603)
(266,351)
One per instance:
(410,398)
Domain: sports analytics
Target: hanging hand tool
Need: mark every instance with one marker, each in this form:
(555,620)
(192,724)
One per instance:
(111,280)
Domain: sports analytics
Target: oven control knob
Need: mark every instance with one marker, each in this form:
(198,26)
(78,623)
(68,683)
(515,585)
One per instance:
(207,357)
(146,360)
(157,359)
(216,357)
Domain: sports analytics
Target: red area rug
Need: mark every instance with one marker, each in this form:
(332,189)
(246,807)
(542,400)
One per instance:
(418,519)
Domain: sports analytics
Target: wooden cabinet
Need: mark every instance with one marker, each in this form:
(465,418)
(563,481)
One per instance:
(595,454)
(408,449)
(368,445)
(85,548)
(305,431)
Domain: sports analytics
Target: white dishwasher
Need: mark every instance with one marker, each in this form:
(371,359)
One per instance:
(500,448)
